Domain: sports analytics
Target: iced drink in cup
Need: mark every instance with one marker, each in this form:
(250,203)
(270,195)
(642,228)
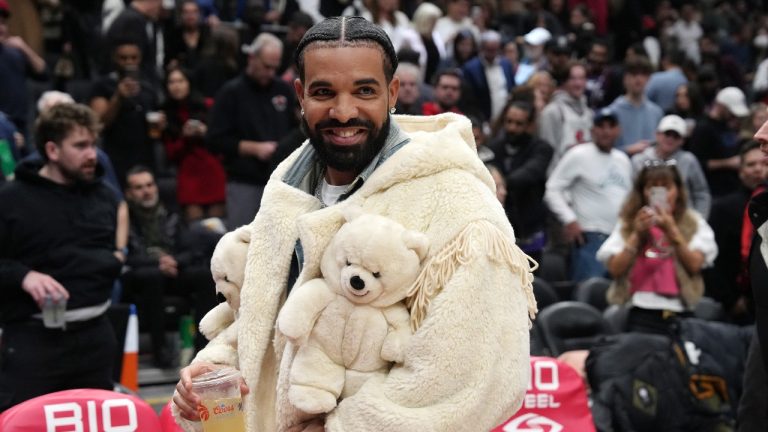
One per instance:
(153,120)
(221,406)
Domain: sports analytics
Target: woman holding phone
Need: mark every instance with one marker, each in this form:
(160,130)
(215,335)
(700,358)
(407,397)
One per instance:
(657,250)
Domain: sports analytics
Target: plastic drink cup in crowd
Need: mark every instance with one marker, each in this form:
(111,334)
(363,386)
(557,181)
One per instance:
(221,407)
(54,309)
(153,121)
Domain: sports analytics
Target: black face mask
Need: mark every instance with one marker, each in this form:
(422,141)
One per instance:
(347,158)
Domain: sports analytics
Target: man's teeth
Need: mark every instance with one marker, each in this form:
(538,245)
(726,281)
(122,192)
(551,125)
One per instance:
(345,133)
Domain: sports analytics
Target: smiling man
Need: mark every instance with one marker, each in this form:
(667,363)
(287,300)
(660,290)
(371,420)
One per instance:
(57,240)
(466,367)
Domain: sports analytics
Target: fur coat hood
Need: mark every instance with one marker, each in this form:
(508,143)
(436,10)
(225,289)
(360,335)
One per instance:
(466,367)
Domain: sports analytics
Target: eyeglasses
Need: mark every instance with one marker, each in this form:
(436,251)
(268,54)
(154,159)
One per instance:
(672,134)
(655,163)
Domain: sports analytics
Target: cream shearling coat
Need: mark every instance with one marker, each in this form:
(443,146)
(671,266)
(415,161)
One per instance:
(466,367)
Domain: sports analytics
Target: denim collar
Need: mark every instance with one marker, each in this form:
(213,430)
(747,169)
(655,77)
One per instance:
(306,172)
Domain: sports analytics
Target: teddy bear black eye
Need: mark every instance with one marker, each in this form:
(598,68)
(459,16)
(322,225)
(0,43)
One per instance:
(226,279)
(348,264)
(377,275)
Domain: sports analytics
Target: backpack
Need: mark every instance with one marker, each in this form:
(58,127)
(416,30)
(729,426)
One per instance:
(646,382)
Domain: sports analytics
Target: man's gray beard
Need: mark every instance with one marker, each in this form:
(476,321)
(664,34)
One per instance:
(348,158)
(149,204)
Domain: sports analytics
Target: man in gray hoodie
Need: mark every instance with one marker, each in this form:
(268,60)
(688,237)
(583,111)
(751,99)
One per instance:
(567,119)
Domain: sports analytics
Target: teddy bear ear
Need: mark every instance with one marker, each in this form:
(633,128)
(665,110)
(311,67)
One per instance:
(243,234)
(352,212)
(418,242)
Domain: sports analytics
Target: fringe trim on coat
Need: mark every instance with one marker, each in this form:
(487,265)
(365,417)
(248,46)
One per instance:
(439,269)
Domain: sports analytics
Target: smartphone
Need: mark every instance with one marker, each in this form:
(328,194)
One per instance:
(658,198)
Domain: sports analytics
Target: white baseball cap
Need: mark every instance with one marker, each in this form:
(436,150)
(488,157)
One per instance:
(537,36)
(674,123)
(733,99)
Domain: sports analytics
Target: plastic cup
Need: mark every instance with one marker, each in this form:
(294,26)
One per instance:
(54,309)
(221,407)
(153,119)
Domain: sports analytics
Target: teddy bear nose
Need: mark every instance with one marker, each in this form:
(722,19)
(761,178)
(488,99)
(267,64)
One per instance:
(356,282)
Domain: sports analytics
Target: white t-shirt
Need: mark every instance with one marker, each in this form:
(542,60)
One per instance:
(330,194)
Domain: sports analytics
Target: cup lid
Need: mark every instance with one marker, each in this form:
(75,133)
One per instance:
(215,377)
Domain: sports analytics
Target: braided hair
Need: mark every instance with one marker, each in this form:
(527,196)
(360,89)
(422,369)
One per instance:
(337,32)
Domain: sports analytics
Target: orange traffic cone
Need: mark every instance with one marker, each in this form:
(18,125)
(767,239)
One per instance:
(129,377)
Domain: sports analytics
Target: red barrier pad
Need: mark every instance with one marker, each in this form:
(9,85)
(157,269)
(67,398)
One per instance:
(556,401)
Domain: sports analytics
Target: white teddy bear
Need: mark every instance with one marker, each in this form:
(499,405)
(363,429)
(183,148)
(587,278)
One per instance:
(228,271)
(352,323)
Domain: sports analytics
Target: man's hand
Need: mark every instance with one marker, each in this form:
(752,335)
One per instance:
(186,399)
(18,139)
(637,147)
(168,265)
(39,285)
(120,256)
(262,150)
(213,21)
(194,128)
(272,16)
(573,234)
(16,42)
(128,88)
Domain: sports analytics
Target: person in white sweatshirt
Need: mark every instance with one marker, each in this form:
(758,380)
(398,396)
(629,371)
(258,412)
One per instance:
(585,192)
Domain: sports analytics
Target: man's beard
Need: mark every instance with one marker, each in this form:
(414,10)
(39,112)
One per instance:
(347,158)
(78,175)
(518,139)
(446,106)
(149,203)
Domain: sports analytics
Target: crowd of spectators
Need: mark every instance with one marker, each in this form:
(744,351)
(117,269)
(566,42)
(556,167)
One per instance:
(570,101)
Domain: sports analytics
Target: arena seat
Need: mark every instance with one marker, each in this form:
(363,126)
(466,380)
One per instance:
(81,410)
(570,325)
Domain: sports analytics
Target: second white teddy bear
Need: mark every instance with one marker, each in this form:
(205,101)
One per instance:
(228,271)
